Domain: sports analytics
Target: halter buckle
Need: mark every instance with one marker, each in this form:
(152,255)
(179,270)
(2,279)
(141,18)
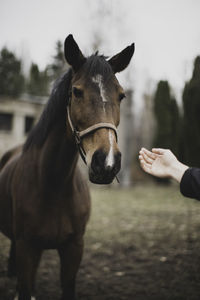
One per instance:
(77,137)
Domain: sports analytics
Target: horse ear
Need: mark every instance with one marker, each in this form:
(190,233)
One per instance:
(73,54)
(121,60)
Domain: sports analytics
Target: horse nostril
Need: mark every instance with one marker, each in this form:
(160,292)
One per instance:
(98,160)
(118,161)
(118,157)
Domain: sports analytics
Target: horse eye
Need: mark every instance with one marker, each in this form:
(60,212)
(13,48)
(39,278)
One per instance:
(78,93)
(121,96)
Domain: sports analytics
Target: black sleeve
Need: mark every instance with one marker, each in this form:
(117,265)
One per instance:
(190,183)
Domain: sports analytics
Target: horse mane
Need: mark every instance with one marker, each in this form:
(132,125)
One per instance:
(54,110)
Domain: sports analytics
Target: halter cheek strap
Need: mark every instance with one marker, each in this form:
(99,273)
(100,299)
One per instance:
(81,134)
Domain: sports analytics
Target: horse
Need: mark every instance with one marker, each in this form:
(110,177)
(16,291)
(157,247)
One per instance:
(44,199)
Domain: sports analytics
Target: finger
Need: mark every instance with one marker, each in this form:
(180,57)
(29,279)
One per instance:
(141,156)
(142,159)
(148,153)
(145,166)
(158,150)
(144,163)
(147,159)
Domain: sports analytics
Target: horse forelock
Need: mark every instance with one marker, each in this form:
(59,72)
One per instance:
(97,64)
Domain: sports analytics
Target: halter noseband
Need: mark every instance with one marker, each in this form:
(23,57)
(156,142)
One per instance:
(81,134)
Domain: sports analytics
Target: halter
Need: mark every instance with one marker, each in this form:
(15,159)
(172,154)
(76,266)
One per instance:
(79,135)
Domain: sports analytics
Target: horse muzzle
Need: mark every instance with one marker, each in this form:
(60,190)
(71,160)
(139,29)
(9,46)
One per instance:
(104,168)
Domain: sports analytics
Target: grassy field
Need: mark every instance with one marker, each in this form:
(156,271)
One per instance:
(147,240)
(141,243)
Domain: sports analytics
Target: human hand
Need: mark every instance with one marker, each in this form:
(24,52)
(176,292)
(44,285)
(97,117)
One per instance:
(161,163)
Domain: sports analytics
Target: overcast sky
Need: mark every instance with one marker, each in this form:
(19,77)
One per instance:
(166,34)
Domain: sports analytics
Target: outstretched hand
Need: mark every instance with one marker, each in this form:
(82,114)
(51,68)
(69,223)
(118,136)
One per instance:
(161,163)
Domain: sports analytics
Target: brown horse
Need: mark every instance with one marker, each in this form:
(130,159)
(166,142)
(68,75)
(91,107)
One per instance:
(44,201)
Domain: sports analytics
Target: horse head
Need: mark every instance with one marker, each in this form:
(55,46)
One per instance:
(94,108)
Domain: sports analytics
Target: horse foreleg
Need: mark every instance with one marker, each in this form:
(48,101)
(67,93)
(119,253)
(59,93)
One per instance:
(70,258)
(12,269)
(27,259)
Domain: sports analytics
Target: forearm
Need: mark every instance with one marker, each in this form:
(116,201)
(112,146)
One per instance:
(177,170)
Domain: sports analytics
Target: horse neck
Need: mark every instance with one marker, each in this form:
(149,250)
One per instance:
(59,154)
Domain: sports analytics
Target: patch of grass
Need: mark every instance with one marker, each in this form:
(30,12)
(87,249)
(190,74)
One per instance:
(144,242)
(148,210)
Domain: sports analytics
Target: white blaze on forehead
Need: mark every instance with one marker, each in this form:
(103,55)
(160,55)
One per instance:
(110,159)
(98,79)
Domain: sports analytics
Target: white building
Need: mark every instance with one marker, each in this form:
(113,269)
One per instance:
(17,116)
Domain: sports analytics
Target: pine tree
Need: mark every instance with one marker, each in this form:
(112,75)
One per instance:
(11,78)
(191,117)
(38,83)
(59,65)
(175,127)
(34,80)
(167,118)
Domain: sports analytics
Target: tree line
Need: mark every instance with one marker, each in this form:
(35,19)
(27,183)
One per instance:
(179,129)
(13,82)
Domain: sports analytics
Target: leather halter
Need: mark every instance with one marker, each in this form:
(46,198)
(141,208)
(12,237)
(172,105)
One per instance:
(79,135)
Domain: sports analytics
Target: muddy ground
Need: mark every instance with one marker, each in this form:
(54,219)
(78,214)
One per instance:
(142,243)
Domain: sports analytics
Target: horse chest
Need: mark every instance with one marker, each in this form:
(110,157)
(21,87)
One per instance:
(53,226)
(48,227)
(56,227)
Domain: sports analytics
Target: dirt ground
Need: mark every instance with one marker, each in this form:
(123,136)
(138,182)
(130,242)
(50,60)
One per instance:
(141,243)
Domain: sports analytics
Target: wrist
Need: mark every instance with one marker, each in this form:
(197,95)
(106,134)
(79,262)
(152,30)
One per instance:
(177,170)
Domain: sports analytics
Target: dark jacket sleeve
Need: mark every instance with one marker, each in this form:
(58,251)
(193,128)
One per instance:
(190,183)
